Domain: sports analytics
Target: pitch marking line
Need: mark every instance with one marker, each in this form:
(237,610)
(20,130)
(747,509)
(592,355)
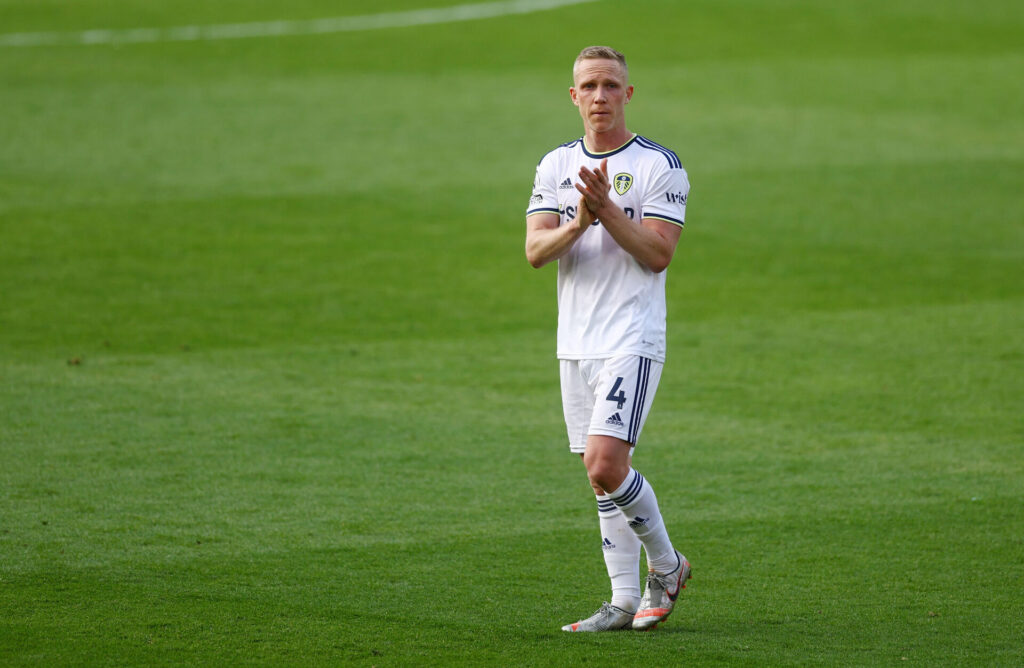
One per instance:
(419,17)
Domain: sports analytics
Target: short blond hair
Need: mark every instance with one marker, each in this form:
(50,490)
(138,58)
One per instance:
(601,53)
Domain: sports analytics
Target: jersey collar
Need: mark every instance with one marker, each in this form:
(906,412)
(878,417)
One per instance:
(591,154)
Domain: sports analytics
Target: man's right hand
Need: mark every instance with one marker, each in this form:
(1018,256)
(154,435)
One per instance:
(584,216)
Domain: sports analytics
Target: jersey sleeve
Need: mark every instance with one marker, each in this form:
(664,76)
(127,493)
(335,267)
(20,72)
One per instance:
(666,199)
(544,198)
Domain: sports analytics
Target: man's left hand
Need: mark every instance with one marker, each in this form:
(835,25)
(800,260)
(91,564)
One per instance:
(595,187)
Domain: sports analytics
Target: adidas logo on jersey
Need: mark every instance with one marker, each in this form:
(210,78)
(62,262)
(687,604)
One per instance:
(615,420)
(565,185)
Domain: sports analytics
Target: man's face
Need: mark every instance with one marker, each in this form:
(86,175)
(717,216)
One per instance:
(601,90)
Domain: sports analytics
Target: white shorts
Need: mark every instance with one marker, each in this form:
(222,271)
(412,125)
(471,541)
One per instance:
(611,397)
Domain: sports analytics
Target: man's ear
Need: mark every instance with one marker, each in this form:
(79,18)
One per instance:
(572,95)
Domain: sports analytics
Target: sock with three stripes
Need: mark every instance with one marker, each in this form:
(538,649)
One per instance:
(621,555)
(636,499)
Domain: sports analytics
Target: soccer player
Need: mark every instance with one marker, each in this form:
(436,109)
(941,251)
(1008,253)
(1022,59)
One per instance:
(609,207)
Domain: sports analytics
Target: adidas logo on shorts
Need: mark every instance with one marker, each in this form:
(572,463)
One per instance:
(615,420)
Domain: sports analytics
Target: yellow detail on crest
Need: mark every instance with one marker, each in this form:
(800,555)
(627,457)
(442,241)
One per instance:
(622,182)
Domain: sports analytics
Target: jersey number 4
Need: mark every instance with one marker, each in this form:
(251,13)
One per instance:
(620,397)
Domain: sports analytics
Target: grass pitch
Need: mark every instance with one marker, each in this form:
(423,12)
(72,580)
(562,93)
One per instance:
(277,384)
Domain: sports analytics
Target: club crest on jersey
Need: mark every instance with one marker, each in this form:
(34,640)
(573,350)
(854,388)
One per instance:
(622,182)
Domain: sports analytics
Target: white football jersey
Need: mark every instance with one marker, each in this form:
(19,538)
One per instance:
(608,303)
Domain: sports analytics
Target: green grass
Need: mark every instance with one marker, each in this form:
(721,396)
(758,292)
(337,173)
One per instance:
(277,384)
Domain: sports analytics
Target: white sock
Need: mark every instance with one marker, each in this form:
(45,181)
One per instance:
(621,555)
(636,499)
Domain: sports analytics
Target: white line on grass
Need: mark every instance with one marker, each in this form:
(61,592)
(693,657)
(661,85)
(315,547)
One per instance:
(419,17)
